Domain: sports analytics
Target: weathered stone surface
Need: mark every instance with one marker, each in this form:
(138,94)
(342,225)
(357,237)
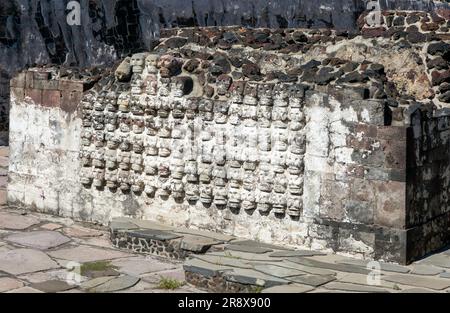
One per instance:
(153,234)
(223,260)
(426,270)
(95,282)
(251,277)
(25,289)
(203,233)
(277,271)
(259,244)
(335,285)
(417,290)
(84,254)
(248,249)
(418,281)
(79,231)
(387,267)
(440,260)
(22,261)
(306,269)
(7,283)
(116,284)
(122,225)
(137,266)
(51,226)
(292,288)
(197,244)
(312,280)
(52,286)
(296,253)
(205,268)
(245,256)
(16,222)
(444,275)
(336,267)
(42,240)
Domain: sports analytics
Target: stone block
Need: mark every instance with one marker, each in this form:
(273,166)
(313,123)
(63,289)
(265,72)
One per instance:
(51,98)
(18,81)
(18,93)
(390,208)
(35,95)
(395,153)
(70,99)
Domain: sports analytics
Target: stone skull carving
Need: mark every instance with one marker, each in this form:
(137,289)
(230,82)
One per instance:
(138,62)
(251,94)
(151,62)
(237,91)
(111,159)
(296,95)
(124,102)
(265,94)
(181,85)
(223,84)
(111,101)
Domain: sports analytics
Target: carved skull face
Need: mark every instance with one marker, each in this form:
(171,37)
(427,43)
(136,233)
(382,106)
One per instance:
(111,178)
(248,200)
(265,93)
(220,195)
(295,164)
(296,95)
(124,179)
(279,203)
(111,121)
(251,93)
(205,173)
(99,139)
(151,63)
(295,184)
(177,168)
(206,109)
(206,194)
(280,114)
(164,147)
(151,166)
(234,198)
(111,101)
(86,158)
(111,159)
(124,101)
(99,177)
(298,144)
(221,111)
(281,93)
(86,137)
(237,91)
(263,201)
(138,62)
(294,205)
(150,185)
(223,84)
(86,176)
(138,124)
(88,100)
(191,107)
(136,162)
(125,124)
(100,102)
(280,140)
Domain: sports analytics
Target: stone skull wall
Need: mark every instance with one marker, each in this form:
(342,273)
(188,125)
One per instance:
(239,131)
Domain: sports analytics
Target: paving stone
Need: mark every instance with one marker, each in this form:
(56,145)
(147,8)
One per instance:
(292,288)
(103,241)
(249,249)
(417,290)
(252,277)
(421,269)
(153,234)
(39,277)
(277,271)
(43,239)
(332,266)
(353,287)
(361,279)
(16,222)
(116,225)
(214,262)
(312,280)
(102,273)
(177,274)
(245,256)
(116,284)
(204,268)
(204,233)
(440,260)
(139,266)
(83,254)
(21,261)
(258,244)
(306,269)
(7,283)
(387,267)
(51,226)
(82,232)
(445,275)
(95,282)
(295,253)
(197,244)
(146,224)
(52,286)
(418,281)
(25,289)
(139,287)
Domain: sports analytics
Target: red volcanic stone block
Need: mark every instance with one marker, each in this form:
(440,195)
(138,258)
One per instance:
(392,133)
(51,98)
(438,78)
(390,209)
(430,27)
(35,95)
(445,13)
(70,85)
(373,32)
(394,153)
(70,100)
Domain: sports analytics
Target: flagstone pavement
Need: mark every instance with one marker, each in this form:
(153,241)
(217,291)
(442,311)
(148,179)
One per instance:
(43,253)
